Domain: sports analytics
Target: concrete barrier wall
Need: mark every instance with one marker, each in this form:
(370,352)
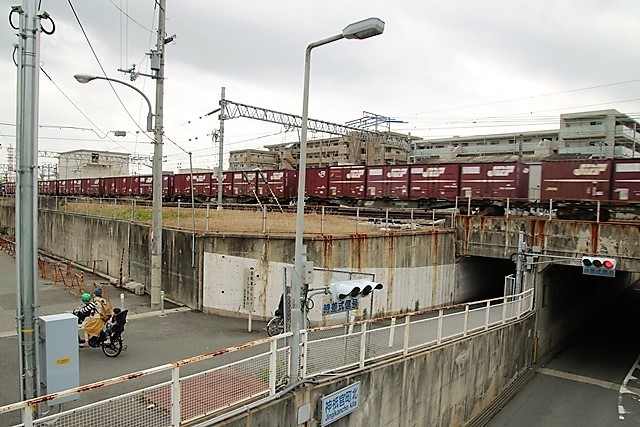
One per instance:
(416,270)
(444,386)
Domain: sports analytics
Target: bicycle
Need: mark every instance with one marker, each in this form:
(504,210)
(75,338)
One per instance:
(275,326)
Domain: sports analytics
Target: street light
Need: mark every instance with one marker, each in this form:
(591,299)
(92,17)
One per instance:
(358,30)
(156,228)
(86,78)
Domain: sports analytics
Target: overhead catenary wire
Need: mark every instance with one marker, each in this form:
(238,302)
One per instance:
(103,70)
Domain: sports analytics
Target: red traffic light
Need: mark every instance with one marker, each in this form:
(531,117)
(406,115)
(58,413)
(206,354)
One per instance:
(608,264)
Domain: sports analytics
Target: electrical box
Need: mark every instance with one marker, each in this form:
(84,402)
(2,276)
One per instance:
(59,358)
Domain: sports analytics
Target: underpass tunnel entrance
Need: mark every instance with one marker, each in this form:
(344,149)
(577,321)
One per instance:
(567,300)
(481,278)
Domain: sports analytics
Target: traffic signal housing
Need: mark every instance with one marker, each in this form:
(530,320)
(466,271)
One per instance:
(352,289)
(599,266)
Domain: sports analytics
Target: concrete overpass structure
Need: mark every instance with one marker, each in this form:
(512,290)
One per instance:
(465,262)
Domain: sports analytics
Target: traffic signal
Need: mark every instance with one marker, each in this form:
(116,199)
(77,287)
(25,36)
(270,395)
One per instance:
(599,266)
(352,289)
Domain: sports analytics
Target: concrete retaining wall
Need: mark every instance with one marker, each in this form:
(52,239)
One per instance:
(443,386)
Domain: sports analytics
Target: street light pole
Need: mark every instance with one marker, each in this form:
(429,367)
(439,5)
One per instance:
(156,220)
(358,30)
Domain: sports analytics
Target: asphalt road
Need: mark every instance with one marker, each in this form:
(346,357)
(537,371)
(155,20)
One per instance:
(152,340)
(593,381)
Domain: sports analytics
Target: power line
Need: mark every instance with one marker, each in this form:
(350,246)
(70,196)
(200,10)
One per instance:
(104,73)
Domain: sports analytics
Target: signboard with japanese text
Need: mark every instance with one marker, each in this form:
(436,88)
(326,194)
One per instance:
(339,306)
(340,403)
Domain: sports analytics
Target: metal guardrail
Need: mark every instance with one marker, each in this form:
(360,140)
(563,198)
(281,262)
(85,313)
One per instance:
(222,384)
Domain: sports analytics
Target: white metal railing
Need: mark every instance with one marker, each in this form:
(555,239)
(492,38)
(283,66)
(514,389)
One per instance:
(261,367)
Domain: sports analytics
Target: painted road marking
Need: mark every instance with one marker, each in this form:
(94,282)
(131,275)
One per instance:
(579,378)
(626,390)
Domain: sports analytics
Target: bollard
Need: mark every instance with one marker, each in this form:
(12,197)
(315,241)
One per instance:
(162,314)
(122,302)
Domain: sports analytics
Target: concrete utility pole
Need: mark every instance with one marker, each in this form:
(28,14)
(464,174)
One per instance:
(26,195)
(221,150)
(156,236)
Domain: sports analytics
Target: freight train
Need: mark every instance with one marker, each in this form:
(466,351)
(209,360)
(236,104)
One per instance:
(573,189)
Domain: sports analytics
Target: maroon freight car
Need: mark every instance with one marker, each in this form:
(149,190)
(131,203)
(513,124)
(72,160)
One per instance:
(109,186)
(316,184)
(227,185)
(494,181)
(576,180)
(388,182)
(434,181)
(244,184)
(281,184)
(49,188)
(347,183)
(121,187)
(626,181)
(90,187)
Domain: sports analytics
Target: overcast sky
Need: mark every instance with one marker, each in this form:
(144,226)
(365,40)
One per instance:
(456,67)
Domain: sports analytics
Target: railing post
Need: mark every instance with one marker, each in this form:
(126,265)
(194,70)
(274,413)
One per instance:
(178,225)
(100,208)
(440,321)
(273,371)
(407,328)
(264,219)
(507,212)
(392,331)
(357,218)
(175,397)
(486,316)
(115,207)
(363,343)
(27,416)
(550,209)
(412,222)
(386,219)
(65,204)
(520,305)
(504,309)
(322,221)
(466,320)
(206,227)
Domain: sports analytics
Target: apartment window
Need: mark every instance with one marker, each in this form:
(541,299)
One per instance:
(95,158)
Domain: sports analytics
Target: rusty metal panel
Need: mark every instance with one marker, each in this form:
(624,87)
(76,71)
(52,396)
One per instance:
(167,185)
(317,183)
(494,180)
(347,182)
(437,181)
(388,182)
(626,181)
(576,179)
(76,187)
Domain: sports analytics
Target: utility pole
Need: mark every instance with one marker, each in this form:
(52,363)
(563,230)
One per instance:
(221,149)
(157,64)
(26,194)
(522,246)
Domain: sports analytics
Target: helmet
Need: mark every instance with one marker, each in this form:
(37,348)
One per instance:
(86,297)
(97,292)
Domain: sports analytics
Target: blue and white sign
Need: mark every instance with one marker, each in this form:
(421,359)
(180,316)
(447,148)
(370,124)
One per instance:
(339,306)
(340,403)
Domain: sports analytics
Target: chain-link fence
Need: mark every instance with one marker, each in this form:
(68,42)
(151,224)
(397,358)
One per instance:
(254,219)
